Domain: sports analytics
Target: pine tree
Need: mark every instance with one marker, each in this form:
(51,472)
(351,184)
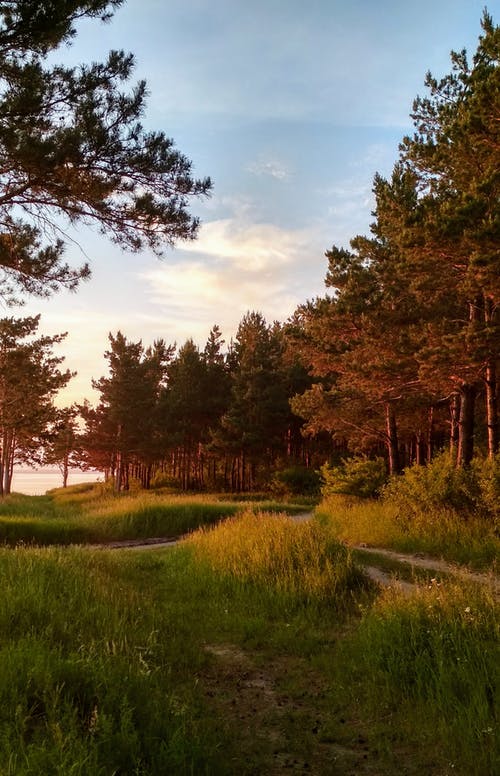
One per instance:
(60,447)
(453,158)
(72,146)
(128,408)
(29,380)
(253,430)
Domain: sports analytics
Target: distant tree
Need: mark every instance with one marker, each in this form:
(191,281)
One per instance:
(29,380)
(253,429)
(72,148)
(96,446)
(183,414)
(125,422)
(61,445)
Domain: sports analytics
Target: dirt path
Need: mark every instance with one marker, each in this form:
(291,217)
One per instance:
(380,575)
(274,711)
(418,560)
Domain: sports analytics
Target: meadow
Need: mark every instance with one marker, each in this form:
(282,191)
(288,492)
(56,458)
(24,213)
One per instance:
(256,646)
(91,513)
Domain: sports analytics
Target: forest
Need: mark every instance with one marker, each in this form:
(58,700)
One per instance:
(398,359)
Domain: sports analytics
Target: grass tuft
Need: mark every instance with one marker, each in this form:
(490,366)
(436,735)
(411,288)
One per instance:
(299,560)
(430,664)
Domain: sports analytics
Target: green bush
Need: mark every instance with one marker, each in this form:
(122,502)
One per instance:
(164,480)
(440,484)
(297,481)
(362,477)
(487,475)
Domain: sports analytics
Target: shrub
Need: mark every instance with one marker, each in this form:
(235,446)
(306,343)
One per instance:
(487,475)
(440,484)
(362,477)
(164,480)
(297,481)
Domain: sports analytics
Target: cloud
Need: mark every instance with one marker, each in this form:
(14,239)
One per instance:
(232,268)
(271,168)
(247,247)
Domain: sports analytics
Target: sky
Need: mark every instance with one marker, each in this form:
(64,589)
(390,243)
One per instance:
(291,107)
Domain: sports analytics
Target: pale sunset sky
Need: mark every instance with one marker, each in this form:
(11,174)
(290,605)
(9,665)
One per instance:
(290,106)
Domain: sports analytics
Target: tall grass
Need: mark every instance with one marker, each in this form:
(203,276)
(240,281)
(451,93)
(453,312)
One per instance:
(298,560)
(92,677)
(83,514)
(430,664)
(104,659)
(436,531)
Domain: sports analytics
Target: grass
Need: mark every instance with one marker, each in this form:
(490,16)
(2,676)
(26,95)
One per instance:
(255,646)
(428,665)
(89,513)
(179,662)
(105,655)
(106,691)
(299,561)
(437,532)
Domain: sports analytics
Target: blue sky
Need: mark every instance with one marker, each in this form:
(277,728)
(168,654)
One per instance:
(290,106)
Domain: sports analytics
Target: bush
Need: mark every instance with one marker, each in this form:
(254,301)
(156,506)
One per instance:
(440,484)
(297,481)
(164,480)
(487,475)
(362,477)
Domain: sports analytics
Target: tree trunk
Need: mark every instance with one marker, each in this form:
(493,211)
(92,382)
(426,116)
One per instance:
(491,408)
(65,470)
(466,424)
(430,434)
(392,440)
(419,458)
(454,426)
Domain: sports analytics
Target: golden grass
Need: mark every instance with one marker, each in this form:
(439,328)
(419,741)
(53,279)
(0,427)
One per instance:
(274,551)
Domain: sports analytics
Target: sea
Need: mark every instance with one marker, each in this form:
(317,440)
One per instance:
(35,482)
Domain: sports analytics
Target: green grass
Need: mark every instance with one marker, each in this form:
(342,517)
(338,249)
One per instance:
(426,669)
(296,561)
(437,532)
(89,513)
(103,655)
(96,676)
(254,647)
(271,655)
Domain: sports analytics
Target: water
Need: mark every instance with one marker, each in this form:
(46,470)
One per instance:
(35,482)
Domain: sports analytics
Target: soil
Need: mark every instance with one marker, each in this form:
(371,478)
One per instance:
(277,728)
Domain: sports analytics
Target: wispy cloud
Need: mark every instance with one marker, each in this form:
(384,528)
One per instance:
(272,168)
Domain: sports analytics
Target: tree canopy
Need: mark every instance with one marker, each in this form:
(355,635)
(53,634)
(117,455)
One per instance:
(413,319)
(73,150)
